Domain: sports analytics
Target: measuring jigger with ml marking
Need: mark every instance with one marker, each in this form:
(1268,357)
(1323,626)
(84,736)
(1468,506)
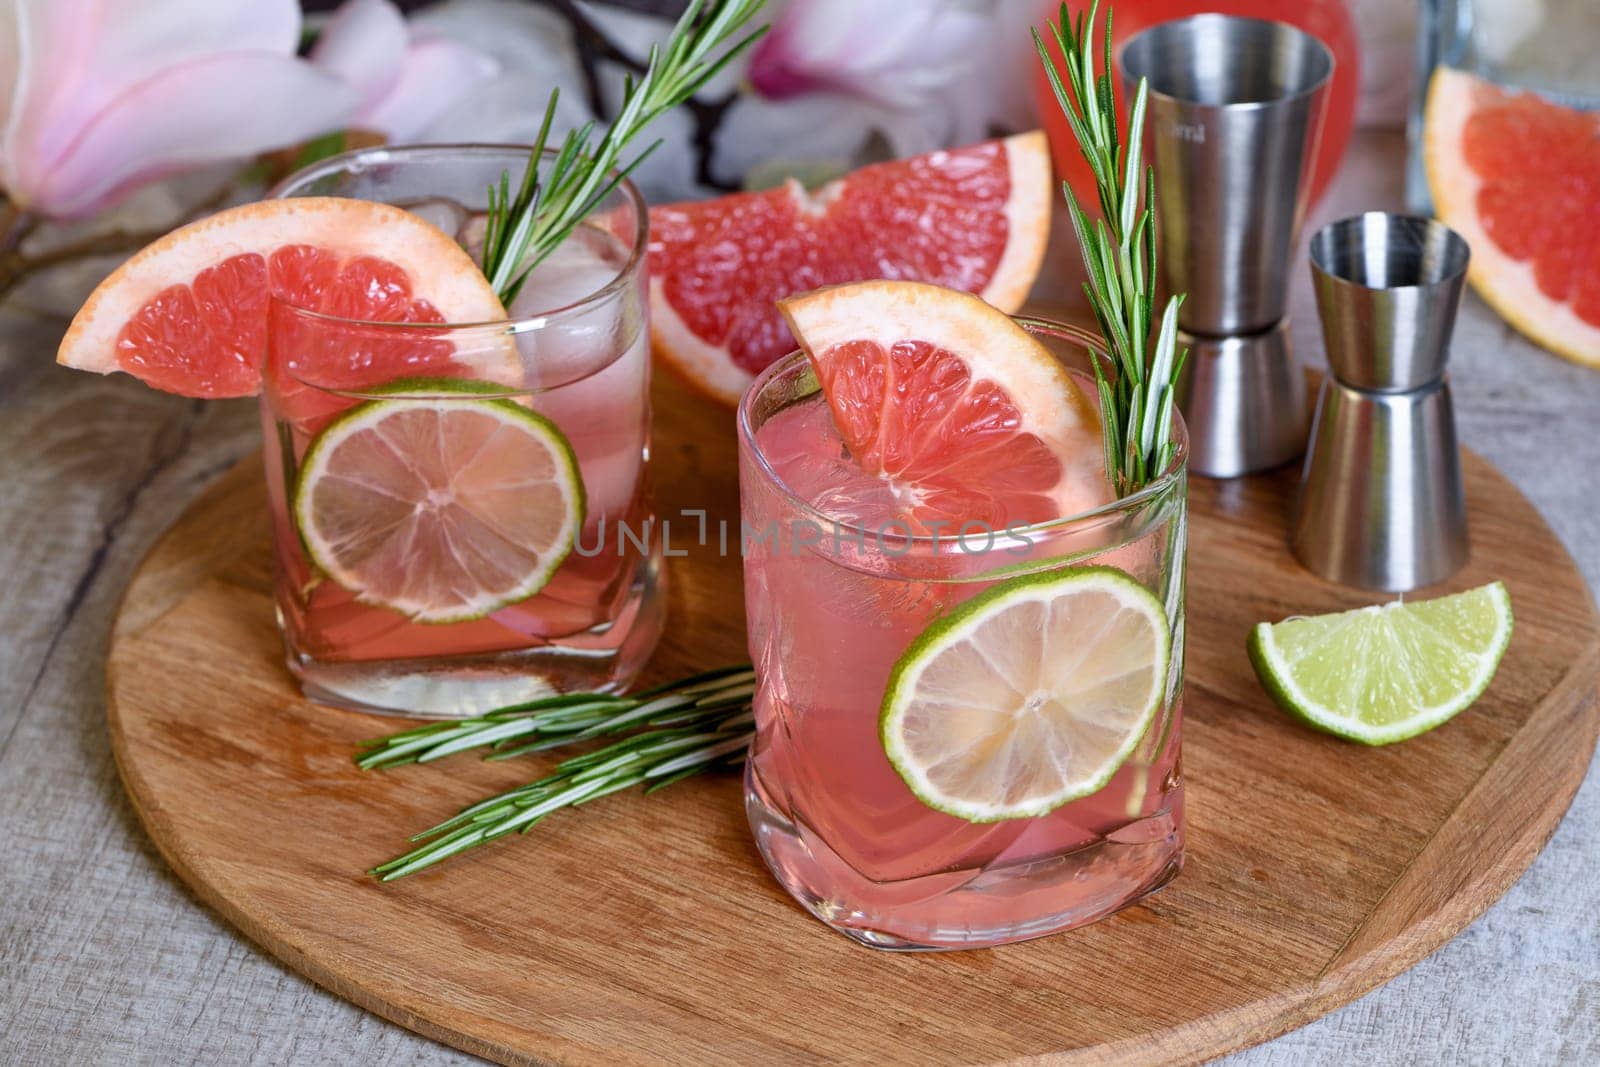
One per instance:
(1381,503)
(1235,107)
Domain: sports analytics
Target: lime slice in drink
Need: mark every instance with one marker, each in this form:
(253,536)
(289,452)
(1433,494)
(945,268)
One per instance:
(444,509)
(1029,695)
(1388,672)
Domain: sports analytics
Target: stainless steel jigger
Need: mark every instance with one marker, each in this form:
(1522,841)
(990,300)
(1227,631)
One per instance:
(1235,106)
(1381,504)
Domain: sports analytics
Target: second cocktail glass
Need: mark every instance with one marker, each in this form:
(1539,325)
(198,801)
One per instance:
(833,609)
(460,510)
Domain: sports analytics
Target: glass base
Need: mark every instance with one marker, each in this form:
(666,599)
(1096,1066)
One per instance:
(604,659)
(978,908)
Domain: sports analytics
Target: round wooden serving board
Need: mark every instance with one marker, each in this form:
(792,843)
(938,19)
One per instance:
(647,930)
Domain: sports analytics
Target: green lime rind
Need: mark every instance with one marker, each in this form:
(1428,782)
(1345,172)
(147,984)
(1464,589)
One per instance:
(423,388)
(300,498)
(944,632)
(1426,662)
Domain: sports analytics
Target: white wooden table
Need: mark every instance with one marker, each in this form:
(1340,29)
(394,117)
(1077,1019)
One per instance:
(106,958)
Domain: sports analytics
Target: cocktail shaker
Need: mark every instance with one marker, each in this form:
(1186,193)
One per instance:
(1381,504)
(1235,107)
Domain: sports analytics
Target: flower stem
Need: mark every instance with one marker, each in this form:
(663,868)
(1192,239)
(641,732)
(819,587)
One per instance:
(17,224)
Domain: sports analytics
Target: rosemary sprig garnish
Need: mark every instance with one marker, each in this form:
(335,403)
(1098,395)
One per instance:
(521,230)
(1119,252)
(673,732)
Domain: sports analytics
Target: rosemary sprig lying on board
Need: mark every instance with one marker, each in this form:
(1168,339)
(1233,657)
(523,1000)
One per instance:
(673,732)
(1119,252)
(564,719)
(523,229)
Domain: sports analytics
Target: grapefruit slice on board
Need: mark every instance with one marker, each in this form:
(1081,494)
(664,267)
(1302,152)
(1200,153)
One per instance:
(188,313)
(959,414)
(974,218)
(1519,178)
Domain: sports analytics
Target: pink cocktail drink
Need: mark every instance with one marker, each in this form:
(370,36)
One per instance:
(568,370)
(834,603)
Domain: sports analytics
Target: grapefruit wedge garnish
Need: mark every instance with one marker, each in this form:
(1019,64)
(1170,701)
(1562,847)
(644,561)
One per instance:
(957,412)
(973,218)
(188,313)
(1519,178)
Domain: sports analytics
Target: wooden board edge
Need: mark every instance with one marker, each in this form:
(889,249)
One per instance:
(1355,971)
(139,608)
(1361,967)
(266,936)
(1555,745)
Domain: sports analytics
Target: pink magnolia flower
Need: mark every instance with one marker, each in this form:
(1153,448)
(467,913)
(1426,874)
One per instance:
(888,52)
(406,76)
(97,98)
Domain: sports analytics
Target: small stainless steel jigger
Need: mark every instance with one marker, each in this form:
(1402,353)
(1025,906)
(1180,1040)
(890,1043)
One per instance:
(1381,504)
(1235,106)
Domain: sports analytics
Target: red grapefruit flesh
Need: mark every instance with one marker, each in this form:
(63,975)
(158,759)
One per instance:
(1519,178)
(973,218)
(188,314)
(953,407)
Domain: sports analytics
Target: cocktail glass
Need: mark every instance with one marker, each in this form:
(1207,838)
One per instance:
(572,358)
(831,608)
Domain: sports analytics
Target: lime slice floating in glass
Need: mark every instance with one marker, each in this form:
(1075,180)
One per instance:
(1029,695)
(445,509)
(1385,673)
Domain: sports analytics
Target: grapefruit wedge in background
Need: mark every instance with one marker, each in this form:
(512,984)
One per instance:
(188,313)
(1519,178)
(974,218)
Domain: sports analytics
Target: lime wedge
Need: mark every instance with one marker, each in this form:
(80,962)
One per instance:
(1029,695)
(1384,673)
(444,509)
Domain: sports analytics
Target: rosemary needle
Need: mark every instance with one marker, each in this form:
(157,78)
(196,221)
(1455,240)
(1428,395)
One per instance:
(1119,253)
(521,229)
(564,719)
(677,730)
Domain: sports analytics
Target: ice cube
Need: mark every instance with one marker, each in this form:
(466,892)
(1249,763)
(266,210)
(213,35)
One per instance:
(574,344)
(582,264)
(447,214)
(470,234)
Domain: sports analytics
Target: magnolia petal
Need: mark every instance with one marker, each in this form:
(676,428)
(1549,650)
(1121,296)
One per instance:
(226,106)
(531,46)
(364,43)
(886,51)
(10,72)
(437,74)
(74,57)
(818,130)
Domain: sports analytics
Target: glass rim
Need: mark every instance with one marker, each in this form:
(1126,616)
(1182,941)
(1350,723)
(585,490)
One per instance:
(343,161)
(1174,472)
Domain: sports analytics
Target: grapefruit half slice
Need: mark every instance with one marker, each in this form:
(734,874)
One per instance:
(1519,178)
(188,313)
(953,407)
(974,218)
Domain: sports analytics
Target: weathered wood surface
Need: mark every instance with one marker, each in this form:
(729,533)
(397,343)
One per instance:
(105,957)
